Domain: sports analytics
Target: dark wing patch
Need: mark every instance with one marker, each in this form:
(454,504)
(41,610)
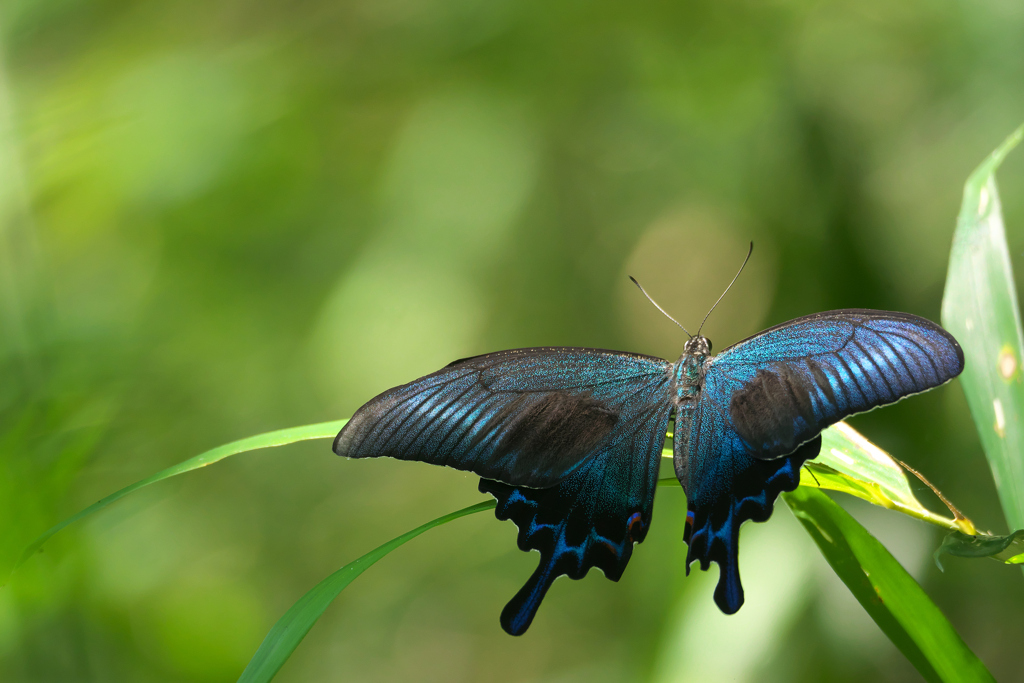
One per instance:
(533,431)
(774,407)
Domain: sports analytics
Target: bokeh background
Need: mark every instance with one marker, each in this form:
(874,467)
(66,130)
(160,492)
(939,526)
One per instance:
(224,217)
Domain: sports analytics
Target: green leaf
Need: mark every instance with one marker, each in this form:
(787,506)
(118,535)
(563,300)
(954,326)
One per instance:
(281,437)
(886,591)
(1006,549)
(850,463)
(291,628)
(979,307)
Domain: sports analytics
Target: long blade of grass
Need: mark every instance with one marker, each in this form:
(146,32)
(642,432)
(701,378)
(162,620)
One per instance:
(980,308)
(291,628)
(281,437)
(886,591)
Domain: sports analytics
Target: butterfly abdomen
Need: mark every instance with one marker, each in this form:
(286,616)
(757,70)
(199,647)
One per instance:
(681,432)
(689,372)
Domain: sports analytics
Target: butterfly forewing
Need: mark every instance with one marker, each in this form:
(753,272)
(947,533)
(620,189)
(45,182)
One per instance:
(785,385)
(526,417)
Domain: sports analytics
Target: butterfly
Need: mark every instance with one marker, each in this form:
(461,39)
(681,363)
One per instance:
(569,440)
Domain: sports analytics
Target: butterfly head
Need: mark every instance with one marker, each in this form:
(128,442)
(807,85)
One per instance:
(697,346)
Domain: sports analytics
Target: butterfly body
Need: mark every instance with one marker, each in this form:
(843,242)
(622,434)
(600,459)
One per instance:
(569,440)
(688,371)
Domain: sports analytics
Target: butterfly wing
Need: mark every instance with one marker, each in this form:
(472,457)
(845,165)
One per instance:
(788,383)
(766,399)
(526,417)
(594,516)
(568,440)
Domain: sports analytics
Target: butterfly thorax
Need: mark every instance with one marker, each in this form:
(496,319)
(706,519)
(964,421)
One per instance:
(689,370)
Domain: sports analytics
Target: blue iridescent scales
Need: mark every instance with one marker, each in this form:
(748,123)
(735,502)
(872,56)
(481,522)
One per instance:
(569,440)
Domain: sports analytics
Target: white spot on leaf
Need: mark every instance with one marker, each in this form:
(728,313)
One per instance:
(1000,425)
(842,456)
(1007,363)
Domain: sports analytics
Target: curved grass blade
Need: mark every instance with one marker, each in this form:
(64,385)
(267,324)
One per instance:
(281,437)
(979,306)
(291,628)
(886,591)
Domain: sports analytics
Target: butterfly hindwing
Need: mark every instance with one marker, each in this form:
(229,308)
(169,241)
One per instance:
(526,417)
(765,401)
(724,493)
(594,516)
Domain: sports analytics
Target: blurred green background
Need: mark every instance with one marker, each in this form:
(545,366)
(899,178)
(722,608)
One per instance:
(221,218)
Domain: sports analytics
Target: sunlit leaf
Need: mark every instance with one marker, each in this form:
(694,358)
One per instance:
(281,437)
(291,628)
(980,308)
(846,450)
(886,591)
(850,463)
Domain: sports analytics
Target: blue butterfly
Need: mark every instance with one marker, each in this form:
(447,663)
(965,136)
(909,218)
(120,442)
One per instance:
(569,440)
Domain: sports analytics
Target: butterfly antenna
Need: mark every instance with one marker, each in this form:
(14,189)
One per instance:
(659,307)
(749,252)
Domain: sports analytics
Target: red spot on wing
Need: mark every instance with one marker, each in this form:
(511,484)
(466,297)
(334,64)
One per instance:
(634,519)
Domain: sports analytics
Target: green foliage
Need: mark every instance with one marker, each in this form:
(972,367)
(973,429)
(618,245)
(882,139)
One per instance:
(889,594)
(291,628)
(1008,549)
(218,216)
(280,437)
(981,309)
(851,464)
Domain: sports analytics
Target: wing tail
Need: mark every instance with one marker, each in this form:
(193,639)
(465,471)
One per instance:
(522,608)
(718,513)
(591,519)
